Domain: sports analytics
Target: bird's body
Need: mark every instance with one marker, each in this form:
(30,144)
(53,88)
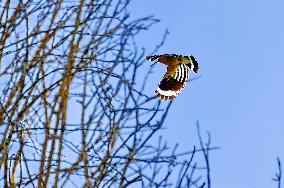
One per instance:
(176,76)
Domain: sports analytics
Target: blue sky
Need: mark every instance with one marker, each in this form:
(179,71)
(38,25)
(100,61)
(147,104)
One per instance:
(240,97)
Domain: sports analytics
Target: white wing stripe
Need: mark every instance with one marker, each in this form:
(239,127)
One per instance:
(178,73)
(181,73)
(191,65)
(187,72)
(184,72)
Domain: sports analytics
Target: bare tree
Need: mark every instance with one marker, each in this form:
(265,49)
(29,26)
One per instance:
(71,111)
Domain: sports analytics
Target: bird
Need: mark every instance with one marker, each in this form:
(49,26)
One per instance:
(177,74)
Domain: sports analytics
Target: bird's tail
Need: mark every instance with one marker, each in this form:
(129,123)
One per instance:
(169,88)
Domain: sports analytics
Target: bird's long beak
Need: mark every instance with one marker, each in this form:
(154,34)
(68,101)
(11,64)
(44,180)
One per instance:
(153,64)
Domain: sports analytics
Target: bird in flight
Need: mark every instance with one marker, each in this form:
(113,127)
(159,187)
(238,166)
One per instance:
(176,77)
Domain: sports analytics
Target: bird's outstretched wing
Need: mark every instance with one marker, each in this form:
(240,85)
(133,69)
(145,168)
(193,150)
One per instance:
(172,84)
(176,76)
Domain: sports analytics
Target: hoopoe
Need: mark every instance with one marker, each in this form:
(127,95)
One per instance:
(176,76)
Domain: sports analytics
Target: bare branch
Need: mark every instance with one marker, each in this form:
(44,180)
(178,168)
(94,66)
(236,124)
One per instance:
(278,175)
(74,107)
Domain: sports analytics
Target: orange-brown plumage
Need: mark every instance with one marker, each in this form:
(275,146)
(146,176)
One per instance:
(176,76)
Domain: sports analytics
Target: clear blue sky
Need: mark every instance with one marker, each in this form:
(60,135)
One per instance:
(240,98)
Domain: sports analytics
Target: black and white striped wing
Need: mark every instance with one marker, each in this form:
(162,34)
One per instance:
(181,73)
(170,87)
